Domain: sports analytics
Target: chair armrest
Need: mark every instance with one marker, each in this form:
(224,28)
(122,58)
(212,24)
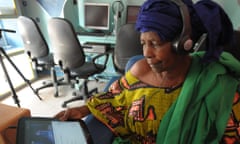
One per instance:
(98,56)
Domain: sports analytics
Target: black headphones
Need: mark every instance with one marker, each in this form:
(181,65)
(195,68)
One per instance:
(183,43)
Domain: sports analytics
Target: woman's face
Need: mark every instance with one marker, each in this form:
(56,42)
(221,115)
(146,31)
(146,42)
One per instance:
(159,54)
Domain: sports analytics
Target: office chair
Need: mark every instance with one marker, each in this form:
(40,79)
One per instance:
(37,49)
(234,49)
(127,51)
(69,55)
(127,45)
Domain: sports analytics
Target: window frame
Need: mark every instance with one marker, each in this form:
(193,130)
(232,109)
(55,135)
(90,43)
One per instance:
(9,11)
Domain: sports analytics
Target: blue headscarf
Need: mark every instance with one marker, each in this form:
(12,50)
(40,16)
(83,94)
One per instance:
(163,17)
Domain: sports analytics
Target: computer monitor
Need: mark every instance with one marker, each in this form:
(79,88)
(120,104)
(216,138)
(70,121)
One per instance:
(132,13)
(97,16)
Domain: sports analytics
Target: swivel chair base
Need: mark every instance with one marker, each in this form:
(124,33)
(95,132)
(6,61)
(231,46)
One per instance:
(55,82)
(84,94)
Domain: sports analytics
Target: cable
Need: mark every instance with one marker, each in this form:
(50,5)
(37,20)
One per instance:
(117,7)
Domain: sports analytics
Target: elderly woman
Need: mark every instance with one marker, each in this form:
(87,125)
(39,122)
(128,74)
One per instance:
(171,96)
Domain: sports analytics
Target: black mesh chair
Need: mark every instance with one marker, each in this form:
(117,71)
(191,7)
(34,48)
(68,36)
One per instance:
(69,55)
(234,49)
(37,49)
(127,51)
(127,45)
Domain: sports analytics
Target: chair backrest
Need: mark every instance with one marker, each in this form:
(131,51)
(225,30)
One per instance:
(234,49)
(34,42)
(127,45)
(67,49)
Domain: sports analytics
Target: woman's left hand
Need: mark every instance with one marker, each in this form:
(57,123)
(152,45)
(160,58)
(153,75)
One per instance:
(73,113)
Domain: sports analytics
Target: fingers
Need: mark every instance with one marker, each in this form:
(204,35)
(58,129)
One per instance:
(115,88)
(66,115)
(63,115)
(73,113)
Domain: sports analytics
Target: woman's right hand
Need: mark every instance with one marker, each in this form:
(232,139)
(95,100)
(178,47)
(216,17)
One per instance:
(73,113)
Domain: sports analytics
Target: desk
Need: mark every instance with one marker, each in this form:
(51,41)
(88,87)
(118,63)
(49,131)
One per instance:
(108,39)
(9,117)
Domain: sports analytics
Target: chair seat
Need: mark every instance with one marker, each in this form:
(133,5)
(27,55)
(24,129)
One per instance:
(88,69)
(46,59)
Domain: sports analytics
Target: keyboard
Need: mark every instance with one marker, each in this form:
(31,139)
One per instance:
(95,47)
(91,33)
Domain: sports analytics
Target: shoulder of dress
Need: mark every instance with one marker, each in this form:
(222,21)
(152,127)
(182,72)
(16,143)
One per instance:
(140,68)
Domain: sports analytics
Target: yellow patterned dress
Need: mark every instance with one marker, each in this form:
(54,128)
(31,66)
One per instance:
(133,110)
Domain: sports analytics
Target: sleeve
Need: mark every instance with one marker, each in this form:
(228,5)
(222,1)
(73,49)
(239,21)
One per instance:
(109,107)
(232,131)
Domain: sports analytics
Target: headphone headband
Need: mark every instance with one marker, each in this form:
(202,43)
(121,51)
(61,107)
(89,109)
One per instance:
(179,43)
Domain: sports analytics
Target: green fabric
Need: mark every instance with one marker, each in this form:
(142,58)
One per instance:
(200,114)
(119,140)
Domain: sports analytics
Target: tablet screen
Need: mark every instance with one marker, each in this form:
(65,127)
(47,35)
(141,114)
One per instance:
(50,131)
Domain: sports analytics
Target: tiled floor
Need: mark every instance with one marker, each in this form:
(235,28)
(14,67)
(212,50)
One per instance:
(50,105)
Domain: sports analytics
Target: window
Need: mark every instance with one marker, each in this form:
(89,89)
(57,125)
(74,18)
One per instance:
(11,42)
(8,14)
(7,8)
(9,39)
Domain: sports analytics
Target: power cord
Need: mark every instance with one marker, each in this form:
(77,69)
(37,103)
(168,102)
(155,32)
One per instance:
(117,8)
(5,133)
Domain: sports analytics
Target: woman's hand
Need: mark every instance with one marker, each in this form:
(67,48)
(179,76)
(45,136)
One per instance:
(73,113)
(115,88)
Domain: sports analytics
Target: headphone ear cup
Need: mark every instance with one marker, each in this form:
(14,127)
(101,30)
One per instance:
(183,44)
(188,44)
(182,48)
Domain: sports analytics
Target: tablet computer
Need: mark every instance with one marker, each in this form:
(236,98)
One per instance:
(37,130)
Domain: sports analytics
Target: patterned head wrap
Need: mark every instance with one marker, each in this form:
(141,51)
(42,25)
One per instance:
(163,17)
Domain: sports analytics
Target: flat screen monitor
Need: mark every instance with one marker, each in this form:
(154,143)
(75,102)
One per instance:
(132,13)
(97,16)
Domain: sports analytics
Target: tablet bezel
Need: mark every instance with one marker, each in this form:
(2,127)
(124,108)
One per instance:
(22,123)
